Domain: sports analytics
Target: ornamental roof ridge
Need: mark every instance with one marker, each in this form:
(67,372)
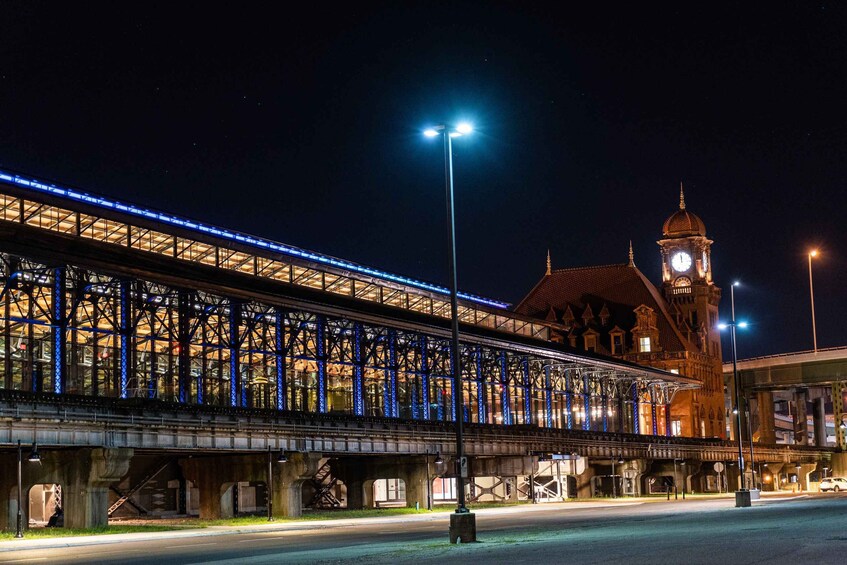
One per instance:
(589,267)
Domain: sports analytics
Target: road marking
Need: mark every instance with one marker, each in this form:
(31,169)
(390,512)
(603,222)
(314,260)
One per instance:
(195,544)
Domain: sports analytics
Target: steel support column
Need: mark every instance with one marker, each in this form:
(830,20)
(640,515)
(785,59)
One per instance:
(528,391)
(504,390)
(422,343)
(456,386)
(548,397)
(653,417)
(280,357)
(481,388)
(636,412)
(60,330)
(184,352)
(393,409)
(234,372)
(126,331)
(320,351)
(668,430)
(358,371)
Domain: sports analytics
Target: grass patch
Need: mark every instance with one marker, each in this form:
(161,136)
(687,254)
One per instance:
(37,533)
(243,521)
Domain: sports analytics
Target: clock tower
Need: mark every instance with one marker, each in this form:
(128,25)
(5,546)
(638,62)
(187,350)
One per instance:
(687,276)
(693,298)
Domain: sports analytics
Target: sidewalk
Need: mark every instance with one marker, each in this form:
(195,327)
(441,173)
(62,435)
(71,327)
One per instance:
(103,539)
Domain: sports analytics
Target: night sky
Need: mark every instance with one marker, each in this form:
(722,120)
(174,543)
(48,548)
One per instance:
(304,126)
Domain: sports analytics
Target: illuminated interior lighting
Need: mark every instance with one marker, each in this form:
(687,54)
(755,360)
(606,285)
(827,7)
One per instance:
(241,238)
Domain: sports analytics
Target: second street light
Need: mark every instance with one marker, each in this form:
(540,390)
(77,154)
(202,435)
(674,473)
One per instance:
(462,522)
(742,495)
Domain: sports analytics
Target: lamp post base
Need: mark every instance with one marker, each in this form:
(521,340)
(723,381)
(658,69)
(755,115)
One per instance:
(462,527)
(742,498)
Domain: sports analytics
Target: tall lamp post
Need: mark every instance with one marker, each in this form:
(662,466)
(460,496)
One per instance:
(813,253)
(34,457)
(742,495)
(462,522)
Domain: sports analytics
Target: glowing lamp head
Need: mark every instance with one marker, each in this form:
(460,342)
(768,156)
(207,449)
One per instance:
(813,253)
(430,132)
(736,283)
(722,326)
(464,128)
(742,324)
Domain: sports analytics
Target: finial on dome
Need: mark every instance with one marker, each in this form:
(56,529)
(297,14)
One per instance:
(631,255)
(681,197)
(549,270)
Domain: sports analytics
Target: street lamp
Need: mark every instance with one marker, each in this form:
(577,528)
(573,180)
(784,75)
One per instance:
(34,457)
(742,495)
(813,253)
(462,522)
(746,402)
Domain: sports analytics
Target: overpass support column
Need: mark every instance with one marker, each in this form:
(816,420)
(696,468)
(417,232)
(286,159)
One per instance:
(839,463)
(209,476)
(803,474)
(838,413)
(85,490)
(288,483)
(84,475)
(820,421)
(416,489)
(767,426)
(801,434)
(585,484)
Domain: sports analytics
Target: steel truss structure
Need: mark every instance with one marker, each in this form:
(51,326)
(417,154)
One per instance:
(96,326)
(76,331)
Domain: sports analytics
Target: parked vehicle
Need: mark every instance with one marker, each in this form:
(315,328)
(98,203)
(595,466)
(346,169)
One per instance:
(833,484)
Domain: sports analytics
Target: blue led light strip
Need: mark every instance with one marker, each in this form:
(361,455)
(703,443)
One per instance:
(236,236)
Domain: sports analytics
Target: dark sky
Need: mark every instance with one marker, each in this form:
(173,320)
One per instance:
(303,125)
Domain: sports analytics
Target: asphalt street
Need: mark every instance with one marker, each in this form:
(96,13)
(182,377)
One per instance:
(803,529)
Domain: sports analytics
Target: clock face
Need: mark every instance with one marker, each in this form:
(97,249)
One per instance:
(681,262)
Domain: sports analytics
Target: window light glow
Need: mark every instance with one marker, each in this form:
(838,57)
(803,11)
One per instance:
(235,236)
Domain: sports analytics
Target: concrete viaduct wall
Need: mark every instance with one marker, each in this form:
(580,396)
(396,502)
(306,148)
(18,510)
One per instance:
(88,446)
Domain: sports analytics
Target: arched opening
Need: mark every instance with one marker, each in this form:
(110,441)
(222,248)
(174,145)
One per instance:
(250,498)
(44,506)
(443,490)
(389,493)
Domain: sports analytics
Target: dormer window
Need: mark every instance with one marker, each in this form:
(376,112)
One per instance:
(617,344)
(604,315)
(644,344)
(591,343)
(616,340)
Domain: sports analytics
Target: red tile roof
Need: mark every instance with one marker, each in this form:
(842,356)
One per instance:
(621,288)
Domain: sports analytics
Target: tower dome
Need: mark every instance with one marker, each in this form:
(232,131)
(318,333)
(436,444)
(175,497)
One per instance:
(683,223)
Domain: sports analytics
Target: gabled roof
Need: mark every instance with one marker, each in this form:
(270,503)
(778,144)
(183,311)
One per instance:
(621,287)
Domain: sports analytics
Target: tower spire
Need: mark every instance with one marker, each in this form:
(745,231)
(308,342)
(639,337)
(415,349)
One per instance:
(631,255)
(681,197)
(549,270)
